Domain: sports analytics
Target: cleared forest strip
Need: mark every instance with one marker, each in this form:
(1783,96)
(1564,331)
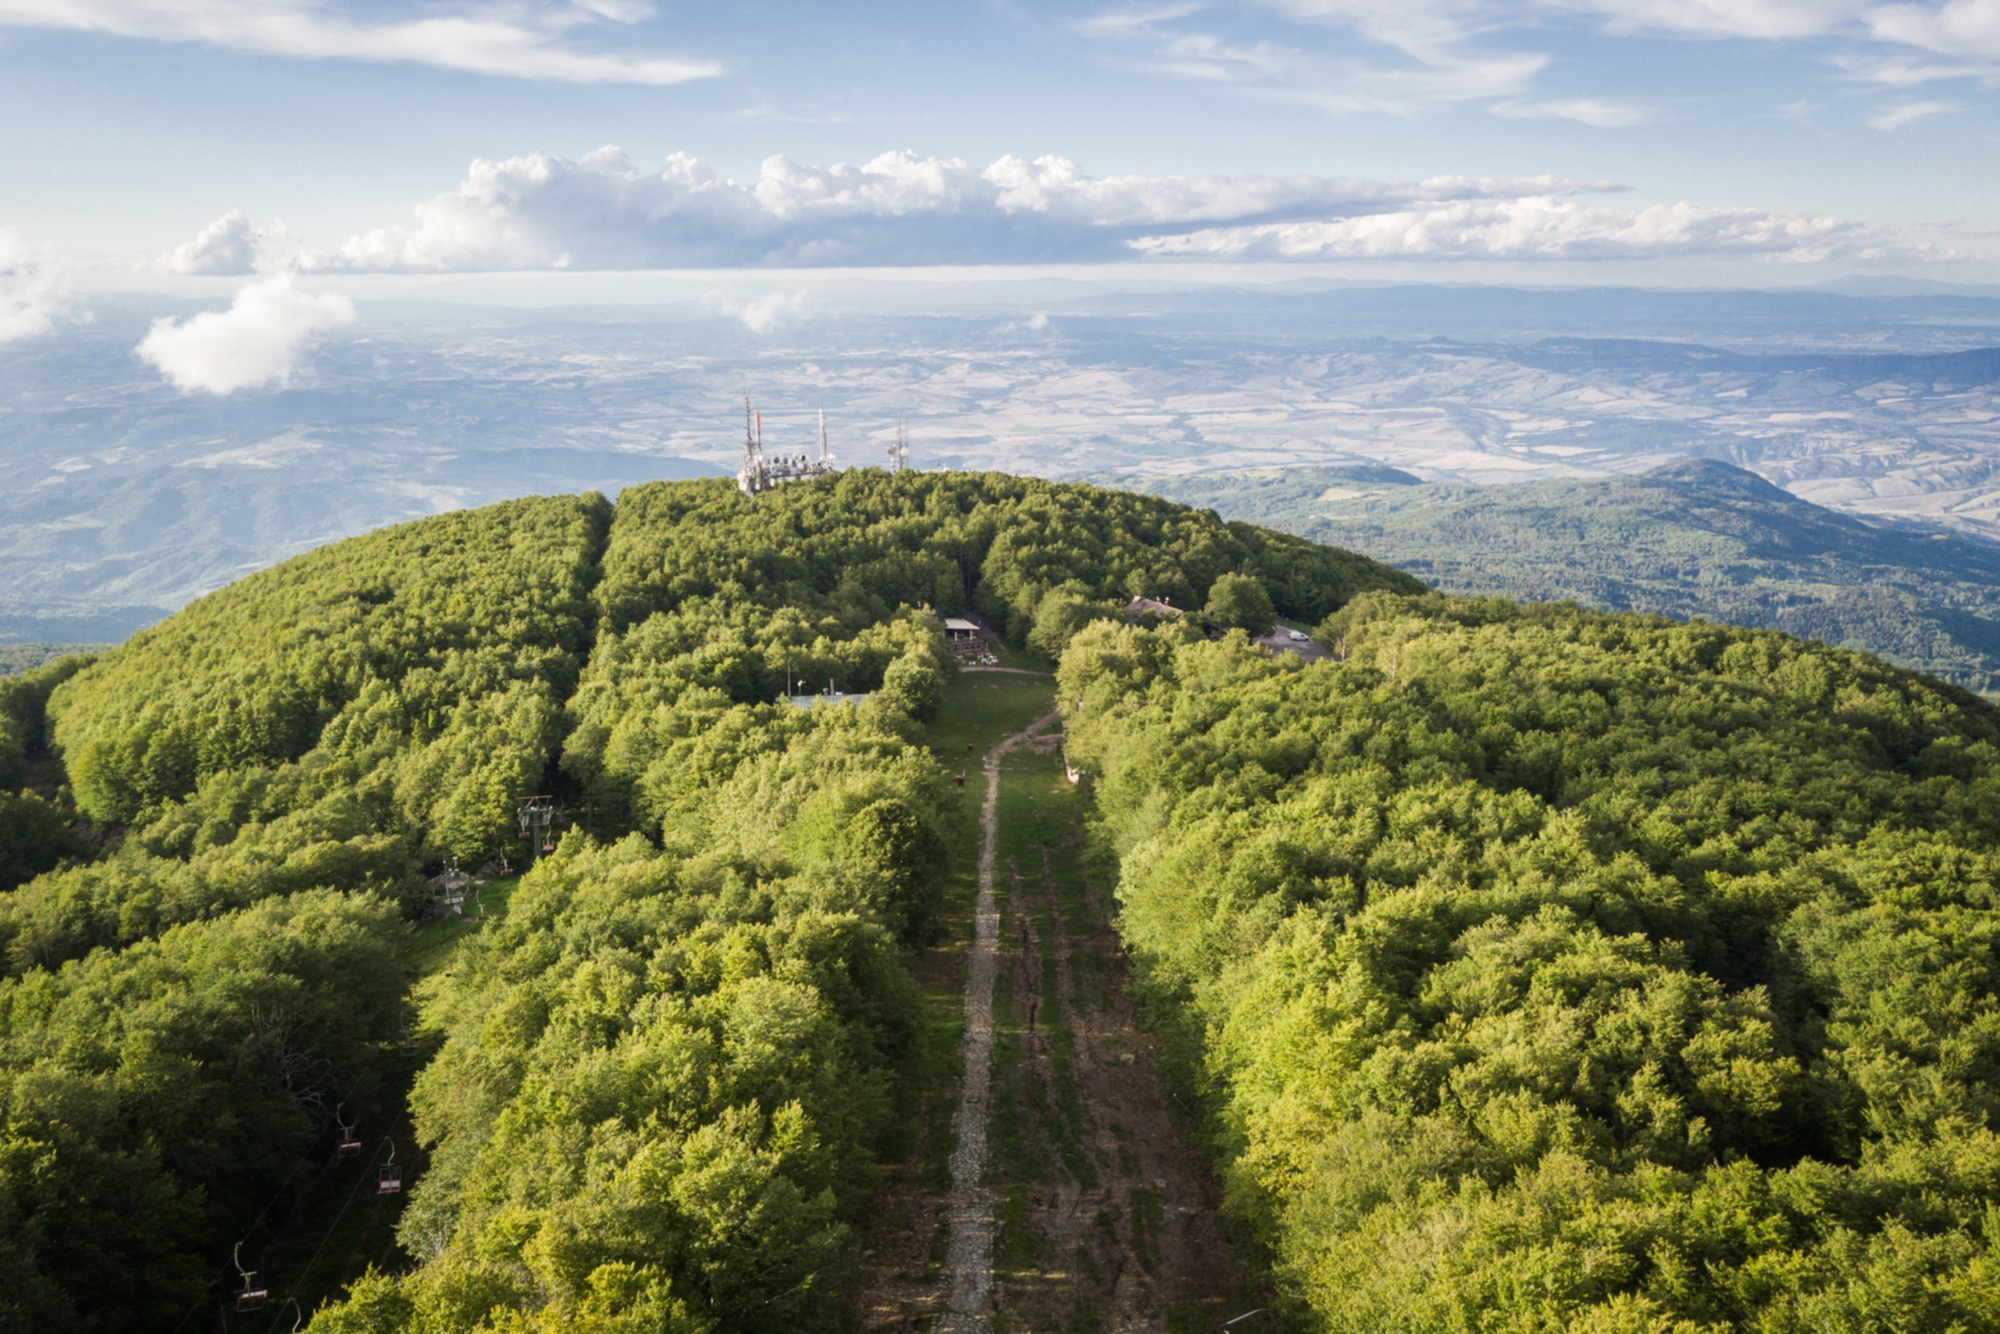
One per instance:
(1090,1212)
(1110,1221)
(970,1213)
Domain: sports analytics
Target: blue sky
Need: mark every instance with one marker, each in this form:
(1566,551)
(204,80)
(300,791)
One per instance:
(1796,139)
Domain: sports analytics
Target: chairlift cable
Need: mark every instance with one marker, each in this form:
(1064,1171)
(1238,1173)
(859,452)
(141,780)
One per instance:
(299,1283)
(283,1186)
(202,1296)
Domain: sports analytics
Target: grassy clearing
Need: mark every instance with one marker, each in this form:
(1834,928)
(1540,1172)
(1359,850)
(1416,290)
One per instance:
(981,709)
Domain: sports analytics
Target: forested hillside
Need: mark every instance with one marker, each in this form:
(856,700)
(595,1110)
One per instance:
(1551,970)
(1531,968)
(657,1085)
(17,658)
(1691,538)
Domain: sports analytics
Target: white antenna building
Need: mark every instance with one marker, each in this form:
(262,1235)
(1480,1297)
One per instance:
(759,474)
(899,453)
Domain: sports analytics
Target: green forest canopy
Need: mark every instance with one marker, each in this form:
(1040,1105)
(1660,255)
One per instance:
(657,1084)
(1552,970)
(1543,969)
(1691,538)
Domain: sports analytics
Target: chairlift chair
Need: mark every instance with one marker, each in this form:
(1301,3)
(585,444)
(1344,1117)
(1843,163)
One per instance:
(350,1143)
(255,1291)
(389,1177)
(254,1294)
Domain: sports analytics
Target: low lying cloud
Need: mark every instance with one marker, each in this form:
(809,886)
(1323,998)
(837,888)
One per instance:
(543,212)
(761,314)
(34,292)
(257,341)
(1537,228)
(527,40)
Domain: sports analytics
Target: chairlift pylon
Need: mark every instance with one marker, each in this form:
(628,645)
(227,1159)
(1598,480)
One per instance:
(254,1291)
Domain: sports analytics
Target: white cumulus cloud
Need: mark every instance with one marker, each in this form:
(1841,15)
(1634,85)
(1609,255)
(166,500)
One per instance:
(257,341)
(1536,228)
(226,247)
(544,212)
(523,40)
(33,290)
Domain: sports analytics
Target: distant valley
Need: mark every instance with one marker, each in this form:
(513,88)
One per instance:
(1691,538)
(122,498)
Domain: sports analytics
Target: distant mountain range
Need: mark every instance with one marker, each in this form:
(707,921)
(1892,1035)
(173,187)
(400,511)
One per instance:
(122,498)
(1692,538)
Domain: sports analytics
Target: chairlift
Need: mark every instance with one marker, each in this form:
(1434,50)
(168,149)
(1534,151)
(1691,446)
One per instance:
(389,1177)
(350,1143)
(255,1290)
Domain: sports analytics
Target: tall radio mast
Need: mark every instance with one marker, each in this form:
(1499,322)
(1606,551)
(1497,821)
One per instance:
(750,477)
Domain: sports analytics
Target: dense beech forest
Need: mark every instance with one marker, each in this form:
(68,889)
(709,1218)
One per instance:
(1527,968)
(1553,970)
(655,1085)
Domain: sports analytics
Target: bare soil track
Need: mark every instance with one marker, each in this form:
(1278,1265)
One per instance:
(1072,1203)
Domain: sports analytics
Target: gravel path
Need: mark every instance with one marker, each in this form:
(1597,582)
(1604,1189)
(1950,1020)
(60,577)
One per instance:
(969,1247)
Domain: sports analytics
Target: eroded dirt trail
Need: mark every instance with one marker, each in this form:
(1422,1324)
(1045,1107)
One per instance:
(969,1209)
(1072,1202)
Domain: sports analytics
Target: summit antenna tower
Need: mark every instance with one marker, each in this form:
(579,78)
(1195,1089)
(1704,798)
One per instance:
(750,477)
(899,453)
(760,473)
